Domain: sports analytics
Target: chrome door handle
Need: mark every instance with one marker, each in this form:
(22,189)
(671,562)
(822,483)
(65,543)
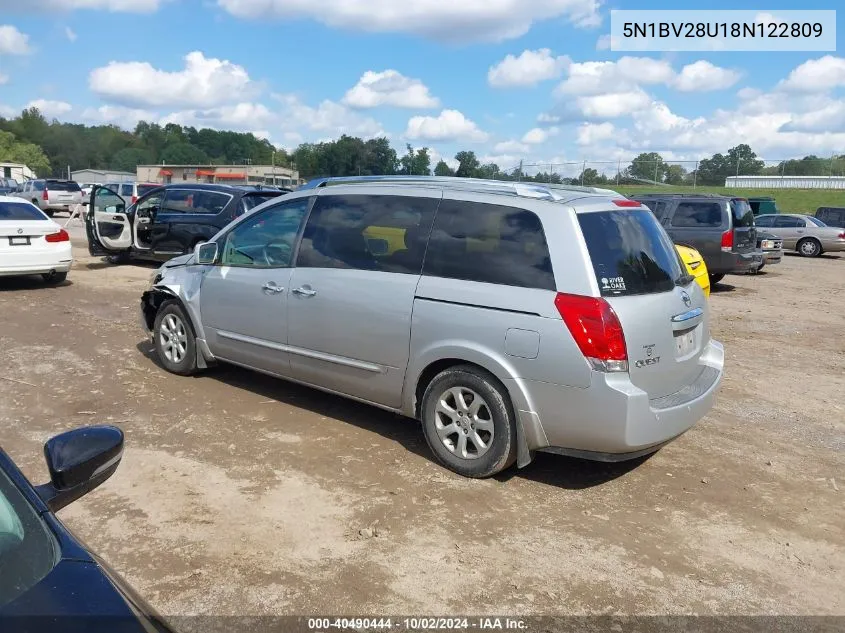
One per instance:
(304,292)
(271,287)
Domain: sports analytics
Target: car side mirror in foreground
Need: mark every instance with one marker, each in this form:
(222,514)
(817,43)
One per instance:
(79,461)
(206,253)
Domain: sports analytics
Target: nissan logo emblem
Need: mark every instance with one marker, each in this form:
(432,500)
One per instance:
(685,297)
(20,231)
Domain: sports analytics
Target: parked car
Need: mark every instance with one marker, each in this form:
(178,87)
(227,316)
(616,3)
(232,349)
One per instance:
(31,243)
(86,191)
(771,246)
(131,191)
(832,216)
(515,319)
(168,220)
(50,581)
(721,228)
(51,195)
(694,263)
(8,186)
(807,235)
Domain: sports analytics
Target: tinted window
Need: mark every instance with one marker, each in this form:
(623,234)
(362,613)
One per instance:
(267,239)
(815,221)
(698,214)
(62,185)
(631,253)
(384,233)
(742,213)
(145,189)
(19,211)
(787,222)
(250,202)
(27,552)
(191,201)
(126,190)
(38,185)
(489,243)
(656,206)
(765,220)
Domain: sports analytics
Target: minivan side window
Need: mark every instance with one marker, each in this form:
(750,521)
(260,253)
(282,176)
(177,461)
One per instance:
(697,214)
(267,239)
(380,233)
(195,201)
(489,243)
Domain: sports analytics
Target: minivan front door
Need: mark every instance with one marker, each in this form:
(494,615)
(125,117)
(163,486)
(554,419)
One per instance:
(349,311)
(243,298)
(107,225)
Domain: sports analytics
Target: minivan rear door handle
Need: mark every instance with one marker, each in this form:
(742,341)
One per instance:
(687,320)
(302,291)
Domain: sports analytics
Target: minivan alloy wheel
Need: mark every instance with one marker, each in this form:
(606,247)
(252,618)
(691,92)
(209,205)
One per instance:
(174,338)
(464,422)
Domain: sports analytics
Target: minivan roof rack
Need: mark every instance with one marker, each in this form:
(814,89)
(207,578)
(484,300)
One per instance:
(555,193)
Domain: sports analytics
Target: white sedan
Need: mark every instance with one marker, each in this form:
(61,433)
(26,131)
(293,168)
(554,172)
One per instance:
(31,243)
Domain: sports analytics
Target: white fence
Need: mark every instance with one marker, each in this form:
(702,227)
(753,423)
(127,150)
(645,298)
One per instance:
(785,182)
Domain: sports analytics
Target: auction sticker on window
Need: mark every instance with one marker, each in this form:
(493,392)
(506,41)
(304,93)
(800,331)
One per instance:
(728,30)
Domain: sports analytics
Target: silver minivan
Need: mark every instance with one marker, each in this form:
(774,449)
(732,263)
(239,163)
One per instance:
(508,318)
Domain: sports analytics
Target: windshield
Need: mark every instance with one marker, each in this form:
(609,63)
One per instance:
(20,211)
(741,210)
(27,553)
(631,253)
(251,201)
(815,221)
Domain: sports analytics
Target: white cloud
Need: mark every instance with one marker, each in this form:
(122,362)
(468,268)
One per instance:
(449,125)
(13,42)
(126,118)
(436,157)
(529,69)
(538,135)
(511,147)
(6,112)
(241,117)
(703,76)
(606,42)
(389,88)
(546,118)
(114,6)
(595,78)
(50,109)
(204,83)
(4,79)
(816,75)
(461,21)
(592,133)
(613,104)
(328,117)
(504,161)
(70,34)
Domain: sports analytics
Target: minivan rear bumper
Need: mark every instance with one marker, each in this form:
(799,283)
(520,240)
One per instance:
(736,263)
(613,420)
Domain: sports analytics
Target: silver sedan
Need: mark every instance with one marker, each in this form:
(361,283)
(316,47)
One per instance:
(803,233)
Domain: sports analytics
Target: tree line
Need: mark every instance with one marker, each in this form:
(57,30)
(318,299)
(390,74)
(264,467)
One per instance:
(49,147)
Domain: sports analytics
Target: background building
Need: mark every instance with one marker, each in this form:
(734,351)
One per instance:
(227,174)
(18,171)
(101,176)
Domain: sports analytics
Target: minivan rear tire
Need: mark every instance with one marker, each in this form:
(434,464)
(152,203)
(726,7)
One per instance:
(174,340)
(495,413)
(716,278)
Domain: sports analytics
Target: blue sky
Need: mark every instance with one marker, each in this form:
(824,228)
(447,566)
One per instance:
(512,80)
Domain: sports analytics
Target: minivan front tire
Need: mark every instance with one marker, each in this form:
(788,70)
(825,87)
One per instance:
(174,340)
(468,422)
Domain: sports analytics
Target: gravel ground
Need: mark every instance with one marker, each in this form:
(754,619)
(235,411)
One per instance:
(241,494)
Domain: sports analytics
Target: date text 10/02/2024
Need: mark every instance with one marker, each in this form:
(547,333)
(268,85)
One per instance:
(317,625)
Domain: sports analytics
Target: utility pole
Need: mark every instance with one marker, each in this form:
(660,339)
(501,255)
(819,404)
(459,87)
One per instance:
(519,177)
(618,169)
(695,175)
(583,169)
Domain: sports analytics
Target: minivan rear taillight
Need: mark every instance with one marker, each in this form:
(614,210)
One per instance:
(61,236)
(44,195)
(596,330)
(728,241)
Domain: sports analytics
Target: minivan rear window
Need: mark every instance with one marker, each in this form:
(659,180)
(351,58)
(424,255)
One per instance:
(144,189)
(631,253)
(62,185)
(742,213)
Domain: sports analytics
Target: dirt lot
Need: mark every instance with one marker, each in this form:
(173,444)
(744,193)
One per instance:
(240,494)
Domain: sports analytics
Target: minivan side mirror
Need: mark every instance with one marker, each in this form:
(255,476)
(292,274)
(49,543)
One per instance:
(206,253)
(79,461)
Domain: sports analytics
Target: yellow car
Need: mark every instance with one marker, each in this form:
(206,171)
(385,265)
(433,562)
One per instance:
(695,266)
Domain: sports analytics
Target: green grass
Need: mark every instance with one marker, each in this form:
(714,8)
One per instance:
(788,200)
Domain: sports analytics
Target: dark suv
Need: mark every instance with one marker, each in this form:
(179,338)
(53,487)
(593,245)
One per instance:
(166,221)
(721,228)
